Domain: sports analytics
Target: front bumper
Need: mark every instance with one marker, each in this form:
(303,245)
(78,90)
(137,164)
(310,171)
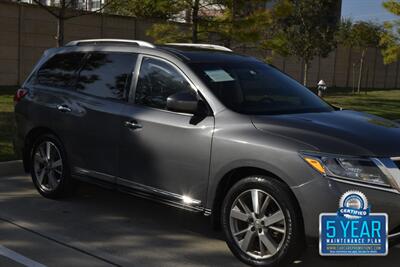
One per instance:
(322,194)
(394,237)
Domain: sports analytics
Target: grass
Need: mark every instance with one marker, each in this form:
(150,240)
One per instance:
(382,103)
(6,123)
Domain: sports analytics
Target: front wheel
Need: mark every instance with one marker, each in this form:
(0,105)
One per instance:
(260,222)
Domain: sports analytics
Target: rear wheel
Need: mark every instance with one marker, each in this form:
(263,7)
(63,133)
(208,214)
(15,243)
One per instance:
(261,225)
(49,168)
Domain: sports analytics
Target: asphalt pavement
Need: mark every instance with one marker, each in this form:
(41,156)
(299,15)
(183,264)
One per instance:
(99,227)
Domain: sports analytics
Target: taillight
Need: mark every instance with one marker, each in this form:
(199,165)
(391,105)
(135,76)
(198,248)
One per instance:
(19,95)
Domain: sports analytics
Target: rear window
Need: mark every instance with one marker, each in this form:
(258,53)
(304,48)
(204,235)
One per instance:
(107,75)
(59,71)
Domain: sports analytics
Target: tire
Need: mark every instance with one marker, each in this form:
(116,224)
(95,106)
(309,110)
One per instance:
(50,174)
(274,236)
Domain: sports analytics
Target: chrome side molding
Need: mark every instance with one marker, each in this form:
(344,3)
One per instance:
(169,197)
(172,199)
(94,174)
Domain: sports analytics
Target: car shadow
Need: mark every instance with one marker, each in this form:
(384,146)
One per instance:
(138,231)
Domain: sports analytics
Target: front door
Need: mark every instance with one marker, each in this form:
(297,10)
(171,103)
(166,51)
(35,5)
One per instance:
(161,150)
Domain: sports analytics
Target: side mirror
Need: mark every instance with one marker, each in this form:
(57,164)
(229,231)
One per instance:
(184,101)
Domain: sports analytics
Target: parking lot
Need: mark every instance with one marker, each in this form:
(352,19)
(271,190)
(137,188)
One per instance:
(98,227)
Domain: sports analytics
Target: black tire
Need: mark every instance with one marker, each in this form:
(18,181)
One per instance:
(292,243)
(66,185)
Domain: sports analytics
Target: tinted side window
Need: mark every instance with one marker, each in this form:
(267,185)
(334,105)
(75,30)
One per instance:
(59,71)
(107,75)
(157,81)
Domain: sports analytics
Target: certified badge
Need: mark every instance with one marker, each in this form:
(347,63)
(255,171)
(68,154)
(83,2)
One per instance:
(353,205)
(353,230)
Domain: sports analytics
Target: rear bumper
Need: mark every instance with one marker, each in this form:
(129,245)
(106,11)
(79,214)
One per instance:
(18,147)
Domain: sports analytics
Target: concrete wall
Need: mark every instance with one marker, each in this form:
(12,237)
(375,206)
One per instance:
(26,31)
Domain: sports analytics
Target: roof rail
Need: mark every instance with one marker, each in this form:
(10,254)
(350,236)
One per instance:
(111,41)
(207,46)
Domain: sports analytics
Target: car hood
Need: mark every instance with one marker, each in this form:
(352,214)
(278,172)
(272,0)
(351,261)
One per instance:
(340,132)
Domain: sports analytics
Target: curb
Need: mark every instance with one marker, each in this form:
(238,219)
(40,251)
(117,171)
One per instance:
(14,167)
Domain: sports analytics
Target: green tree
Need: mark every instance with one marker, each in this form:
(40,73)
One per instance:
(193,12)
(362,36)
(170,32)
(240,24)
(390,39)
(222,21)
(158,9)
(306,29)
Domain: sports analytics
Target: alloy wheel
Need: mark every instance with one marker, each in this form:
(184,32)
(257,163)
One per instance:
(48,166)
(257,224)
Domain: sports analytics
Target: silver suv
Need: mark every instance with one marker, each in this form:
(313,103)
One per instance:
(204,129)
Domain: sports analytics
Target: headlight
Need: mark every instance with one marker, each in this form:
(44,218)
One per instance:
(350,168)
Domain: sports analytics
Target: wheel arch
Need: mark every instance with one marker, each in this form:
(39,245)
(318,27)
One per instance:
(29,140)
(235,175)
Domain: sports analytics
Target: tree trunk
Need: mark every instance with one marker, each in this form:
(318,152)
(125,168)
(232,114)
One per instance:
(354,78)
(195,21)
(60,31)
(60,24)
(364,51)
(234,10)
(305,73)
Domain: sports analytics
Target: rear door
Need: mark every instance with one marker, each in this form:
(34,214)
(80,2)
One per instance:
(167,152)
(92,121)
(53,95)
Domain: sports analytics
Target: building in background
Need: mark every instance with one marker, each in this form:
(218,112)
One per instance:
(205,11)
(87,5)
(218,9)
(21,46)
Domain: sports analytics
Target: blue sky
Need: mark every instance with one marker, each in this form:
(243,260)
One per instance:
(369,10)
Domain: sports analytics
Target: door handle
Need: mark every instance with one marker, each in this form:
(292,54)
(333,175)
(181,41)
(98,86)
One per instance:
(64,108)
(132,125)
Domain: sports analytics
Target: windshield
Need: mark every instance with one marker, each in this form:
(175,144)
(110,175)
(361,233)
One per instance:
(257,88)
